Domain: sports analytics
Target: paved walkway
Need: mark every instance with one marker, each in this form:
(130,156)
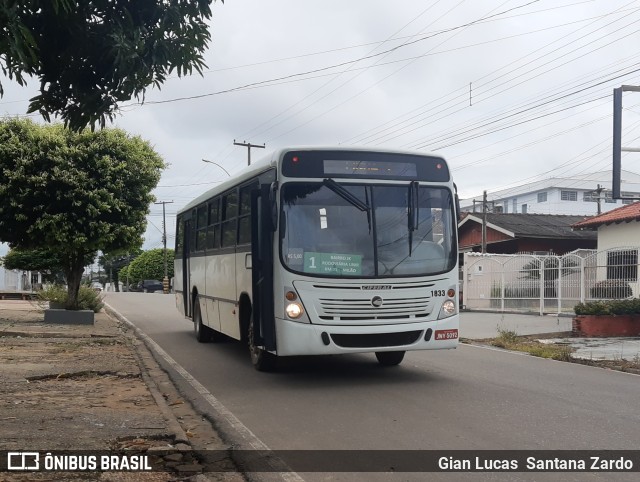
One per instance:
(476,326)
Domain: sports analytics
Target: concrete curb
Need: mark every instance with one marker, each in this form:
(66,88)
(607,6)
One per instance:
(176,431)
(226,424)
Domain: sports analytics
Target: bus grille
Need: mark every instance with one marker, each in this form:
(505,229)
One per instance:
(374,340)
(361,309)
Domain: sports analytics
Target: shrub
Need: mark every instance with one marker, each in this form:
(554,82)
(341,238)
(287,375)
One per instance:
(611,289)
(88,299)
(612,307)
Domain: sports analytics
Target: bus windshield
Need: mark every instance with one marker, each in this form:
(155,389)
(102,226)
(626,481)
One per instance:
(367,232)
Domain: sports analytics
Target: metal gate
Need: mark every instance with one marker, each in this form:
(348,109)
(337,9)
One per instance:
(548,284)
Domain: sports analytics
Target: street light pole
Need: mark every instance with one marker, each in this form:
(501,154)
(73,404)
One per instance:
(165,281)
(216,164)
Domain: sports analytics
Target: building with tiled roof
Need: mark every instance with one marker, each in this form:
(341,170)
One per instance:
(517,233)
(618,244)
(624,214)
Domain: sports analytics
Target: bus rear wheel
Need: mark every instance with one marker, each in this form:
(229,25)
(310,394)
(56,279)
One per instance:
(390,358)
(203,333)
(261,360)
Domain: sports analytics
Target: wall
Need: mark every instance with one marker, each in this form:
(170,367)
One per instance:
(623,235)
(11,280)
(618,235)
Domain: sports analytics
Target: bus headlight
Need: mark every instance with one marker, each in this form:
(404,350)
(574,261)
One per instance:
(448,309)
(294,310)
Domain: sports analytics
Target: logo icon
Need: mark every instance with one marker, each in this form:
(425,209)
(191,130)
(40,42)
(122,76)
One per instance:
(23,460)
(376,301)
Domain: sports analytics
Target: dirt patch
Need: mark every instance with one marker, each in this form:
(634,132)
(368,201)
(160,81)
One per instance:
(530,344)
(75,387)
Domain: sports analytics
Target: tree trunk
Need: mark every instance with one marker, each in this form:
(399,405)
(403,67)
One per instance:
(116,280)
(74,277)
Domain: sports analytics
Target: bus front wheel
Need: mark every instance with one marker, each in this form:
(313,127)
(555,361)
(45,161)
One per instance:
(262,361)
(389,358)
(203,333)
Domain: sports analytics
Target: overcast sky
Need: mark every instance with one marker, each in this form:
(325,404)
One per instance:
(508,91)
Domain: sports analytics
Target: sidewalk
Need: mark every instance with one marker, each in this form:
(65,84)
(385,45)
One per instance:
(75,387)
(480,325)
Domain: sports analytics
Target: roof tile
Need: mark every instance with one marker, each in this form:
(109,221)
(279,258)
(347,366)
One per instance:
(629,212)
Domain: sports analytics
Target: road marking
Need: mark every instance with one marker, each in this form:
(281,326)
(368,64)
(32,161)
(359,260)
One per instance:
(247,435)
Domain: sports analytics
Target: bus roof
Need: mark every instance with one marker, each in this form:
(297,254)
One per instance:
(271,161)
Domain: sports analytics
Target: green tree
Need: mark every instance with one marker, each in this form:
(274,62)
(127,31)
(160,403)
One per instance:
(46,261)
(89,56)
(123,274)
(74,193)
(150,265)
(112,263)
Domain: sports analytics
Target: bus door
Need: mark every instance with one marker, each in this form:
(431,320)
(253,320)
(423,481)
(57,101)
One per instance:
(186,264)
(264,214)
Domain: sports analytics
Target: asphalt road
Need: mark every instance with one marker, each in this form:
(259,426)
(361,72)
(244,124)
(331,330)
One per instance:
(471,398)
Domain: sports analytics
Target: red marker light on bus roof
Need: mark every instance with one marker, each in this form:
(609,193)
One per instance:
(438,166)
(295,159)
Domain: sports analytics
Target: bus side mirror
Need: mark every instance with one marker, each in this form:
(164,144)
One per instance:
(457,201)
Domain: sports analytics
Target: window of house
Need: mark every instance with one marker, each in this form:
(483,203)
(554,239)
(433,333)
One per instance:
(497,209)
(590,196)
(628,194)
(608,198)
(506,206)
(524,209)
(623,265)
(514,205)
(569,195)
(542,197)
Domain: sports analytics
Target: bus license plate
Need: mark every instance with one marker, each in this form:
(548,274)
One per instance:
(446,334)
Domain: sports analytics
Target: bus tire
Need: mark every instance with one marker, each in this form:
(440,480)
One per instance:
(203,333)
(263,361)
(390,358)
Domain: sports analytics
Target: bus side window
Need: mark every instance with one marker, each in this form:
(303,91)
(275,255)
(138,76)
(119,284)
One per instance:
(201,227)
(179,238)
(229,221)
(213,231)
(244,219)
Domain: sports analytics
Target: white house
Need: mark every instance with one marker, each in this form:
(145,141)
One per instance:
(618,244)
(13,280)
(575,195)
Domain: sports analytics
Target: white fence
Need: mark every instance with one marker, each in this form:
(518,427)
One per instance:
(548,284)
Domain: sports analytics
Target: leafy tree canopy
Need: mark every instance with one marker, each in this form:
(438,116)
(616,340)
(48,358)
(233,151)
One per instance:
(150,265)
(74,192)
(33,260)
(89,56)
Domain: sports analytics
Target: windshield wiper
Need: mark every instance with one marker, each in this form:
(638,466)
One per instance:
(350,198)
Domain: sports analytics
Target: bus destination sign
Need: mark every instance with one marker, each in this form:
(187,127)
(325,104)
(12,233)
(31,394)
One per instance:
(333,263)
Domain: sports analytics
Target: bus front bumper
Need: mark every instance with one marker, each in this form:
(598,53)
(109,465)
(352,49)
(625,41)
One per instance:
(295,338)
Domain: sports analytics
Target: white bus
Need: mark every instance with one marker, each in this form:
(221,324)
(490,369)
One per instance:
(315,251)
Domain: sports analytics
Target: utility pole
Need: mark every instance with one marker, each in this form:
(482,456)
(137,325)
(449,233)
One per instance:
(598,198)
(484,222)
(165,280)
(248,145)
